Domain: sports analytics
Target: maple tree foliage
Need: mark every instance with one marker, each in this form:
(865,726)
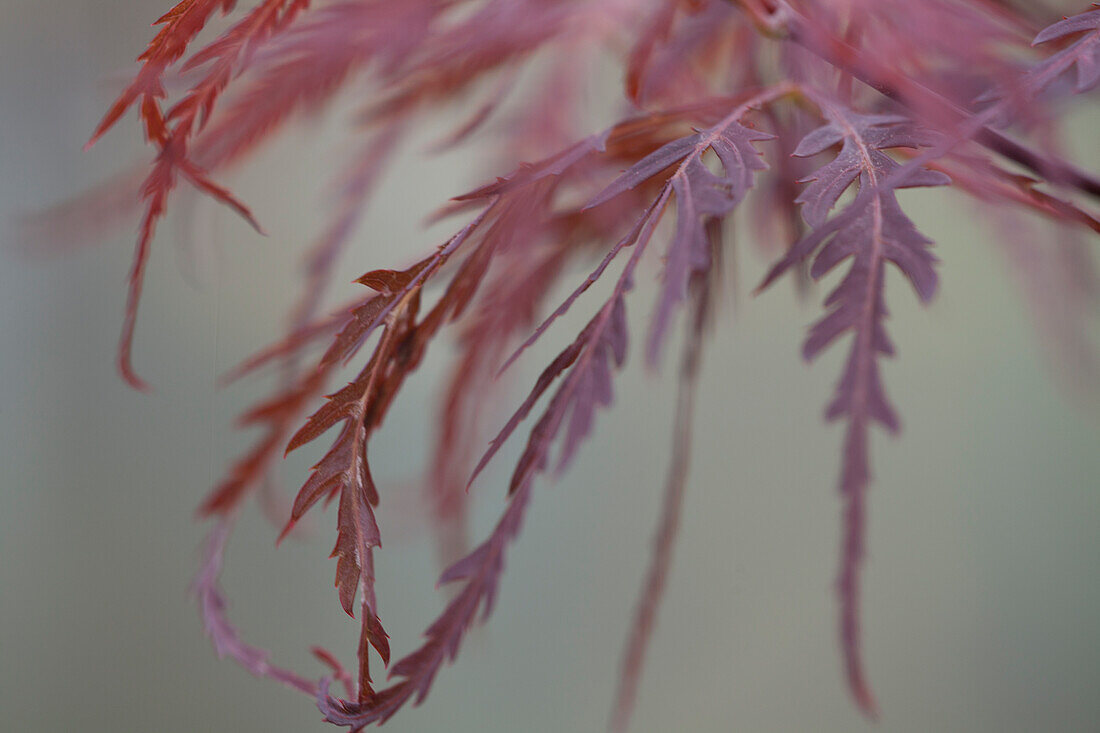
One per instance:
(819,113)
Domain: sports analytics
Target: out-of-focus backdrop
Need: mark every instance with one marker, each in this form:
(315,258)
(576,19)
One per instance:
(981,587)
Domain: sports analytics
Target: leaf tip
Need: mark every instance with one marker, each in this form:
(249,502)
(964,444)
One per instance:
(287,529)
(126,371)
(865,700)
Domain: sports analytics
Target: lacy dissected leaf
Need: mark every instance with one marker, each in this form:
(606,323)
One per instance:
(1084,52)
(481,570)
(863,138)
(703,197)
(871,231)
(172,132)
(180,26)
(345,471)
(360,407)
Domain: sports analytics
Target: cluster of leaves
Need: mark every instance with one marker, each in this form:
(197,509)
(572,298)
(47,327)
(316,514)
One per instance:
(848,101)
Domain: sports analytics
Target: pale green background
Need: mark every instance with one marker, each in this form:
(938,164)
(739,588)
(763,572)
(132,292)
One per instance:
(982,595)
